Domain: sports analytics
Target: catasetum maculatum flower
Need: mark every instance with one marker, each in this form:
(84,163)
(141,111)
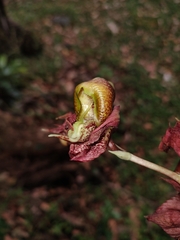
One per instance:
(88,130)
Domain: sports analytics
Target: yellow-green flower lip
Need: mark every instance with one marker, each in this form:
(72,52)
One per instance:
(93,100)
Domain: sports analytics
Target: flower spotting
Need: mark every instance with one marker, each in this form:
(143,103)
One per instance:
(89,129)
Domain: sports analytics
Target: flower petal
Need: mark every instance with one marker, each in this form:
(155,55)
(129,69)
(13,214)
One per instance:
(98,140)
(89,151)
(111,121)
(70,118)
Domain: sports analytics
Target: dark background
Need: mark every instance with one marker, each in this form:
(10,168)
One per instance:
(46,49)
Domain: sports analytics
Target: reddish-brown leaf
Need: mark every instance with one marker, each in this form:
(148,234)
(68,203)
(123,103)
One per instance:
(171,139)
(167,216)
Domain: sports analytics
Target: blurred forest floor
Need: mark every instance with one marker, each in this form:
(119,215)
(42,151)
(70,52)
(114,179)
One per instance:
(135,44)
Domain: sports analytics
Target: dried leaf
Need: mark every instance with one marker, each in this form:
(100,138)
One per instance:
(167,216)
(171,139)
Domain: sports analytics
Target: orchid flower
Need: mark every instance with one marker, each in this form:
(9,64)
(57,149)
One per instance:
(89,129)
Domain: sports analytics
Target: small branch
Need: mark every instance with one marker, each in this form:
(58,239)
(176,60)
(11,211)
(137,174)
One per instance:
(130,157)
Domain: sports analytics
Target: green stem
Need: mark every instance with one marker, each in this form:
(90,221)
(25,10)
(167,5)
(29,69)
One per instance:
(130,157)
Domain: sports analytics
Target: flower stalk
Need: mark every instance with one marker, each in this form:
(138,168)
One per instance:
(145,163)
